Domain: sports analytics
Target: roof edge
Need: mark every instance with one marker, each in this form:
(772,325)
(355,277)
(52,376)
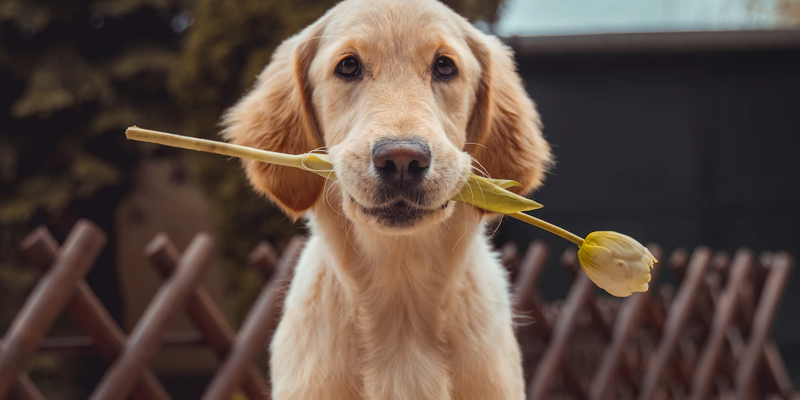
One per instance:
(657,42)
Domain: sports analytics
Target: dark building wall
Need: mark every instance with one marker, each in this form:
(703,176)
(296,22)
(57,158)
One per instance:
(677,148)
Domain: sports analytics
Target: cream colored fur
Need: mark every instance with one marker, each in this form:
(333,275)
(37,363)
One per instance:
(380,313)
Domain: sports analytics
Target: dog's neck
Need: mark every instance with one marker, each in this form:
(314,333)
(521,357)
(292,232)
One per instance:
(384,272)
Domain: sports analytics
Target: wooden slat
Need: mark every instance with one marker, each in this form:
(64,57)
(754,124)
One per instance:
(145,339)
(205,313)
(777,371)
(762,324)
(552,362)
(256,329)
(87,345)
(22,387)
(678,315)
(703,376)
(48,299)
(264,258)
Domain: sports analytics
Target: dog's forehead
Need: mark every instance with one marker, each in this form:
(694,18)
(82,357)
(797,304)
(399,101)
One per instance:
(384,12)
(393,27)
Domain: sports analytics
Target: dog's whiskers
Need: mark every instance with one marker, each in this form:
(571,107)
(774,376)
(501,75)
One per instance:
(482,169)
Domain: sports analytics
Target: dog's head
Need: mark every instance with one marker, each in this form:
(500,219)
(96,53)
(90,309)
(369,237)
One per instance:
(408,98)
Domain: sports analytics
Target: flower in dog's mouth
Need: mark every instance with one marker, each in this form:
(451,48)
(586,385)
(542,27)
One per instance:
(615,262)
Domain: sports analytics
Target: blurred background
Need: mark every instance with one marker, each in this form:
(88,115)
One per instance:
(674,121)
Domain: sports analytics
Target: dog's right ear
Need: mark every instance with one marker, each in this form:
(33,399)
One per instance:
(277,116)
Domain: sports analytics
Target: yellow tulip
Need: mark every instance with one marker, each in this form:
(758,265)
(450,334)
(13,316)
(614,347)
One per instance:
(616,262)
(613,261)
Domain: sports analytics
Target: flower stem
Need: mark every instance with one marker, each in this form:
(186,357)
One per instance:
(548,227)
(308,162)
(211,146)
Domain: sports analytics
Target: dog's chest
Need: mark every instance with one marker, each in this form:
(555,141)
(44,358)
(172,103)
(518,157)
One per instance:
(402,322)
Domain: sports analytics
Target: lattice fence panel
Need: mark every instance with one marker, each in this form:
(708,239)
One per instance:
(706,338)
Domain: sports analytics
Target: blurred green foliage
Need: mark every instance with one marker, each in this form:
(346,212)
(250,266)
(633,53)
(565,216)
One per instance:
(74,75)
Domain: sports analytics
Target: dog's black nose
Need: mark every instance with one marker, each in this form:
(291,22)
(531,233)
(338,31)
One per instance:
(401,163)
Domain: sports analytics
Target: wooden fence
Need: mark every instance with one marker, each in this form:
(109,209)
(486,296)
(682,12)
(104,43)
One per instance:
(706,338)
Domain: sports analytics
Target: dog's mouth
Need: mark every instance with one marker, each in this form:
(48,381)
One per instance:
(399,213)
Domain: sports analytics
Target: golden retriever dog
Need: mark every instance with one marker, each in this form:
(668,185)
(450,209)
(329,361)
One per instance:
(398,294)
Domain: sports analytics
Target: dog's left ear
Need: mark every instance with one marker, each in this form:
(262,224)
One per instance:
(277,115)
(504,121)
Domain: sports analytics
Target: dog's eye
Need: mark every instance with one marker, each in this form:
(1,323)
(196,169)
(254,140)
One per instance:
(444,68)
(349,68)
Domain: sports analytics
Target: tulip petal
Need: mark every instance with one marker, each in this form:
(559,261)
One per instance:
(484,193)
(604,282)
(506,183)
